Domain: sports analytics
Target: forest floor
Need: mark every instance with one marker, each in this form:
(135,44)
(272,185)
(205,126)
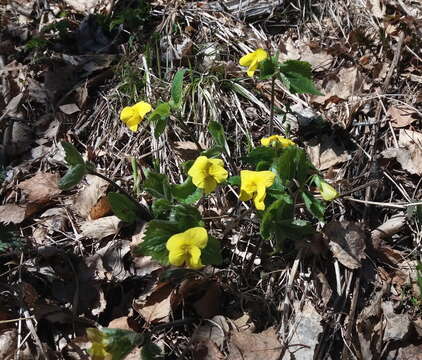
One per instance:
(352,290)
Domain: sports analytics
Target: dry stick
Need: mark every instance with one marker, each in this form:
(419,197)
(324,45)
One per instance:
(385,86)
(271,125)
(352,317)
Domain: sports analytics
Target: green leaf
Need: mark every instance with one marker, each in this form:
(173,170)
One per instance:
(191,199)
(268,68)
(182,191)
(121,342)
(177,89)
(234,180)
(161,208)
(211,254)
(297,77)
(73,176)
(156,236)
(123,207)
(278,211)
(72,155)
(151,351)
(213,152)
(217,132)
(285,165)
(159,118)
(186,216)
(315,207)
(259,154)
(157,185)
(299,67)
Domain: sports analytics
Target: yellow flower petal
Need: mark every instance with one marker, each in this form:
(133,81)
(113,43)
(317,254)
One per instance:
(197,236)
(247,59)
(177,241)
(252,60)
(194,260)
(328,193)
(177,256)
(253,185)
(207,173)
(277,139)
(142,108)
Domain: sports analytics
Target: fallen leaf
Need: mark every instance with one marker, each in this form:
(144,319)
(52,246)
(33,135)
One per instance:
(408,138)
(83,6)
(389,228)
(41,188)
(101,228)
(326,152)
(347,242)
(346,83)
(187,150)
(144,265)
(409,159)
(69,109)
(410,352)
(264,345)
(8,343)
(119,323)
(206,350)
(12,213)
(88,197)
(396,325)
(318,57)
(377,8)
(401,116)
(307,328)
(100,209)
(214,330)
(157,306)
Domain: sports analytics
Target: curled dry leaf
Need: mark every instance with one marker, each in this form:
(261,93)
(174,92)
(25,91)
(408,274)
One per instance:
(90,194)
(100,209)
(388,229)
(396,325)
(41,188)
(264,345)
(209,338)
(401,116)
(347,242)
(101,228)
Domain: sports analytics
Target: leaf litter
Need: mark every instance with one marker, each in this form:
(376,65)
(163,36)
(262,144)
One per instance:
(75,260)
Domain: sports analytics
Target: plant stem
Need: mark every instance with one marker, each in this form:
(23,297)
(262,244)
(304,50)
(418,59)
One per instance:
(143,210)
(271,124)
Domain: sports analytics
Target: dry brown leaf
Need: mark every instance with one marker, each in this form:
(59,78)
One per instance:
(12,213)
(157,306)
(69,109)
(101,228)
(326,152)
(401,116)
(187,150)
(409,159)
(389,228)
(144,265)
(264,345)
(119,323)
(206,350)
(209,338)
(90,194)
(346,83)
(8,342)
(41,188)
(409,138)
(100,209)
(347,242)
(377,8)
(307,328)
(396,325)
(319,58)
(411,352)
(83,6)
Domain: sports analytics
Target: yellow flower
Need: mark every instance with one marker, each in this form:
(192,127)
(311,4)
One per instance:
(253,184)
(186,247)
(276,139)
(252,60)
(133,115)
(207,173)
(328,193)
(98,348)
